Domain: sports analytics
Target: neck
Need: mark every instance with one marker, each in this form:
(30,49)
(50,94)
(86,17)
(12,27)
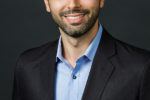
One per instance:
(73,48)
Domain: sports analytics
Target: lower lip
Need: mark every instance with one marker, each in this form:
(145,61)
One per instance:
(74,21)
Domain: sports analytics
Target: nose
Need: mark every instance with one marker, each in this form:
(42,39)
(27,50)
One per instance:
(72,4)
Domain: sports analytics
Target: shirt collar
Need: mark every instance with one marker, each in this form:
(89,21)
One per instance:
(91,50)
(59,56)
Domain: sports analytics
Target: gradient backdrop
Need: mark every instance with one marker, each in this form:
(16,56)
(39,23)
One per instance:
(25,24)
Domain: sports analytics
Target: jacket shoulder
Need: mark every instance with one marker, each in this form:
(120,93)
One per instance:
(38,53)
(131,55)
(132,50)
(123,49)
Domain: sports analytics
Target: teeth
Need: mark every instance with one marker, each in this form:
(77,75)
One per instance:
(75,17)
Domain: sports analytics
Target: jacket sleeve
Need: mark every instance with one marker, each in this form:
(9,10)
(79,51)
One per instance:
(145,83)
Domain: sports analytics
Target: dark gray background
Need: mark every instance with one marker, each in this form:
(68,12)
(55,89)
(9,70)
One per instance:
(25,24)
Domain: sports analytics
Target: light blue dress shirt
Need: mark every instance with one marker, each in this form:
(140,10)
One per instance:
(70,83)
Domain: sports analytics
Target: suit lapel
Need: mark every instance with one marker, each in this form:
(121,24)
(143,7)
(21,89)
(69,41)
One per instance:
(48,73)
(101,70)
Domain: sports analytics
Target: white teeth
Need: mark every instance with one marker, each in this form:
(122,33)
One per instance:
(75,17)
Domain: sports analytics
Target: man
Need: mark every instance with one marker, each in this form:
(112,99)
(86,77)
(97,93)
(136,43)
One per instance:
(86,63)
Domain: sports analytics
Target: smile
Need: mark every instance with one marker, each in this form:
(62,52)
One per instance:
(74,18)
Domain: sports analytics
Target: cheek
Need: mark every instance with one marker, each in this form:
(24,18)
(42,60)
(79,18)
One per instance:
(89,3)
(57,5)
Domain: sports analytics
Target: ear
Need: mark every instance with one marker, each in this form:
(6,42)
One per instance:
(47,5)
(101,3)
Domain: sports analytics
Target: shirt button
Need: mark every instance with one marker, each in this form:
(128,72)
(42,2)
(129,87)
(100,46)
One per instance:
(74,77)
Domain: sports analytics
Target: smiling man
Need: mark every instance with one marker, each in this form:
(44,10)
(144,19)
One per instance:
(85,63)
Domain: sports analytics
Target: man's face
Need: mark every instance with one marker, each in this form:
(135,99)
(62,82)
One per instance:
(74,17)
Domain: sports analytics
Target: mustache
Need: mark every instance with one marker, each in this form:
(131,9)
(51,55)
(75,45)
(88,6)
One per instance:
(84,11)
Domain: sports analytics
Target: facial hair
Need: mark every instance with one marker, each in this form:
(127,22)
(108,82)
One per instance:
(79,29)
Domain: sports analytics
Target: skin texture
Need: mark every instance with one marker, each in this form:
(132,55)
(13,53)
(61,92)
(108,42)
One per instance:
(78,24)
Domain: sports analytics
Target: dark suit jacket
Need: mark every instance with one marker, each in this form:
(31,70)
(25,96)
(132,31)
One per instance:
(119,72)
